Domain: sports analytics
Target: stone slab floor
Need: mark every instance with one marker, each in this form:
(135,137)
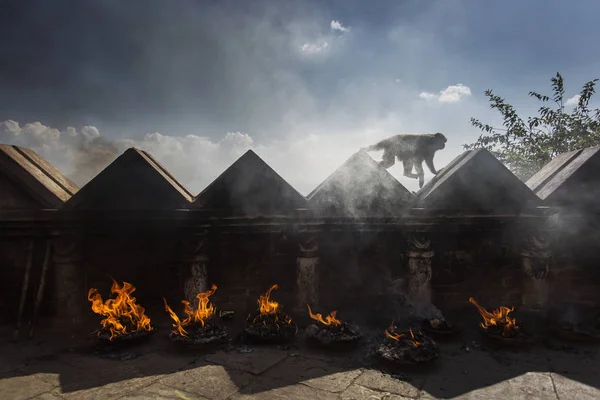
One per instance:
(59,368)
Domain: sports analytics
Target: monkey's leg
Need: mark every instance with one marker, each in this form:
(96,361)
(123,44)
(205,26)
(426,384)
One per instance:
(429,162)
(420,173)
(408,167)
(388,159)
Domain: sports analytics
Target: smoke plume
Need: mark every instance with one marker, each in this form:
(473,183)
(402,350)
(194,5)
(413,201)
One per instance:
(80,154)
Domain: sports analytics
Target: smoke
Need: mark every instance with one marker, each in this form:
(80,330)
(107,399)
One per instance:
(82,154)
(303,161)
(228,79)
(361,187)
(79,154)
(427,311)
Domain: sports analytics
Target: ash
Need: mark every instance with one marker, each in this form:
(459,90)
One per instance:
(325,335)
(404,352)
(439,327)
(118,349)
(517,336)
(211,333)
(270,327)
(426,311)
(130,338)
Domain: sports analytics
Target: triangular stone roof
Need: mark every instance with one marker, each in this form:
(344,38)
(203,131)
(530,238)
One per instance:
(361,187)
(250,187)
(28,180)
(478,182)
(134,181)
(571,179)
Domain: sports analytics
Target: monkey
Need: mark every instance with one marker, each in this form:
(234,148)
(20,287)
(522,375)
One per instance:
(412,150)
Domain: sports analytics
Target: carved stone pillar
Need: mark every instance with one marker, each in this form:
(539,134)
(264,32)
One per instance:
(307,274)
(420,256)
(194,260)
(69,279)
(535,259)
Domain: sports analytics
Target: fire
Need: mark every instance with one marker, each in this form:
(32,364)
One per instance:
(392,334)
(265,305)
(415,343)
(203,312)
(329,320)
(498,318)
(122,314)
(269,308)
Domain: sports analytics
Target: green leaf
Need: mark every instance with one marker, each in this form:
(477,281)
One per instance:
(525,147)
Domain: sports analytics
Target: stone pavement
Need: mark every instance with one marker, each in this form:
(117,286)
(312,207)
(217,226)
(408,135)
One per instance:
(30,371)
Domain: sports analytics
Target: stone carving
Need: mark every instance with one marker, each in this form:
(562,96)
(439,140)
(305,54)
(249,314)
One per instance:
(309,247)
(419,243)
(307,280)
(535,259)
(419,270)
(194,262)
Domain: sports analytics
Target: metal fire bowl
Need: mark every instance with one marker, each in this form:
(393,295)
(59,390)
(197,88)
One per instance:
(432,347)
(221,338)
(521,340)
(272,339)
(129,340)
(454,330)
(252,332)
(318,336)
(405,361)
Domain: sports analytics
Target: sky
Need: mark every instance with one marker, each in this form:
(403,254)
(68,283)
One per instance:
(305,84)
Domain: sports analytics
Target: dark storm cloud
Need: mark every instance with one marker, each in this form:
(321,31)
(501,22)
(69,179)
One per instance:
(197,83)
(118,61)
(147,63)
(184,66)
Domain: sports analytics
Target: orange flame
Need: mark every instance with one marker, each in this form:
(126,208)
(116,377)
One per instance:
(203,312)
(267,307)
(123,315)
(498,318)
(415,343)
(329,320)
(392,334)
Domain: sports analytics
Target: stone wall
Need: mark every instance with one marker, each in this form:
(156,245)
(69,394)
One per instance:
(435,247)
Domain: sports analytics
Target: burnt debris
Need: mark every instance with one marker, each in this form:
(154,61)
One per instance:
(407,347)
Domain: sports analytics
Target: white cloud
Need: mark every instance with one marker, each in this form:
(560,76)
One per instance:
(80,154)
(312,48)
(310,141)
(573,101)
(321,44)
(194,160)
(428,96)
(304,159)
(452,94)
(337,26)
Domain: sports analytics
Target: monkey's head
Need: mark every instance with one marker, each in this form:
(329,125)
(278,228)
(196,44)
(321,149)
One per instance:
(439,141)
